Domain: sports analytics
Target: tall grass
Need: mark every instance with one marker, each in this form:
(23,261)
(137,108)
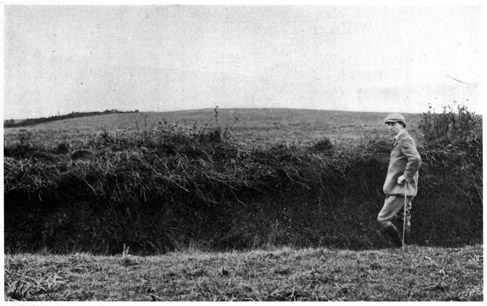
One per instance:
(172,186)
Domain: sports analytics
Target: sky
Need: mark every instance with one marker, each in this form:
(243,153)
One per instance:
(74,58)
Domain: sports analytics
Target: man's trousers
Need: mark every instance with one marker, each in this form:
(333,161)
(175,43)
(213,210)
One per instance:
(393,209)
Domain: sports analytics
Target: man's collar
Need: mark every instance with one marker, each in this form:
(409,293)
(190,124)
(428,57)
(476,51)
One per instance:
(400,134)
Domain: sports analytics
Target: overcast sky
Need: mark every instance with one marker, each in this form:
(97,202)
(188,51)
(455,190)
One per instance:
(60,59)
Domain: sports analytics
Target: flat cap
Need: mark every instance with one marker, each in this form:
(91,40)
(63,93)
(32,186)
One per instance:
(395,117)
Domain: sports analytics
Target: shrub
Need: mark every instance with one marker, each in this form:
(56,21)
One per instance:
(322,145)
(450,126)
(451,175)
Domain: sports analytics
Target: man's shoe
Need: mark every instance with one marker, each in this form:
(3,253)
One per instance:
(407,234)
(393,234)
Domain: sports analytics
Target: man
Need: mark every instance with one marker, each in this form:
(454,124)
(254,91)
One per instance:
(402,178)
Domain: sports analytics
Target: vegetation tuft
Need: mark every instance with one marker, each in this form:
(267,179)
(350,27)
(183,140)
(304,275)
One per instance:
(174,186)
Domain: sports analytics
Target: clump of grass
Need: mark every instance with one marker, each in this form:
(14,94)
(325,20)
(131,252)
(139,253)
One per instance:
(22,282)
(322,145)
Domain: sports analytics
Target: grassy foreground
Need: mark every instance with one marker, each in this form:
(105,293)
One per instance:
(416,274)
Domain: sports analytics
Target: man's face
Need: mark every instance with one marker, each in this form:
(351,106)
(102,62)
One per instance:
(394,128)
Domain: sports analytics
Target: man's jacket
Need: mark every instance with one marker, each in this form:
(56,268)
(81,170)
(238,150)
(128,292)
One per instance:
(406,160)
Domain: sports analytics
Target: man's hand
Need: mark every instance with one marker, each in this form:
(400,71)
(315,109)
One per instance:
(401,179)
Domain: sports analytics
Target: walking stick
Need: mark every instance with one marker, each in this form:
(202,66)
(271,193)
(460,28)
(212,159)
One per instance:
(404,219)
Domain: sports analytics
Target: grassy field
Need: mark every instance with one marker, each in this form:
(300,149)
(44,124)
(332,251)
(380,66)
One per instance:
(423,272)
(256,126)
(285,274)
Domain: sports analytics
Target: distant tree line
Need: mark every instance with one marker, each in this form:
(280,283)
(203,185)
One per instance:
(34,121)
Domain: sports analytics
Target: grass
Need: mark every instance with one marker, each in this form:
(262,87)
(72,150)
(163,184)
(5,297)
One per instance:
(256,126)
(284,274)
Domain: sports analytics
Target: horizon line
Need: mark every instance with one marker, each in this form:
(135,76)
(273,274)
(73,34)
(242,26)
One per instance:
(213,108)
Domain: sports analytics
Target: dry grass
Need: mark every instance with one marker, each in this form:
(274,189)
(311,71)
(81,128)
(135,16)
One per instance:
(286,274)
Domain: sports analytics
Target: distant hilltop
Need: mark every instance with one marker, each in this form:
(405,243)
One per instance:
(29,122)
